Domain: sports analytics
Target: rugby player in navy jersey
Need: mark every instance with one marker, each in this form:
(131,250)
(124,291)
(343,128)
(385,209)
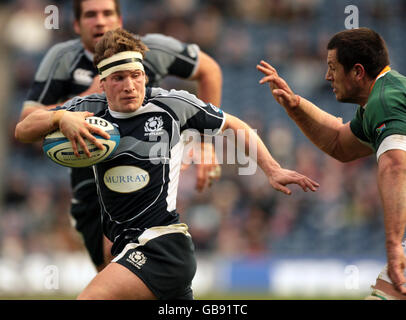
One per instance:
(67,70)
(153,252)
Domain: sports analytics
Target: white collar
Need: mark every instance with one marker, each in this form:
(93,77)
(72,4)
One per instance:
(123,115)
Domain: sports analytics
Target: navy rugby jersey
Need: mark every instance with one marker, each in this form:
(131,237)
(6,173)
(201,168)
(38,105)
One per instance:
(67,70)
(137,186)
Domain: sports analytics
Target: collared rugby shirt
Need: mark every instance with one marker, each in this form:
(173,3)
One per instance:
(67,70)
(137,186)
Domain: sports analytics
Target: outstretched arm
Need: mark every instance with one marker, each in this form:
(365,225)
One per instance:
(326,131)
(278,177)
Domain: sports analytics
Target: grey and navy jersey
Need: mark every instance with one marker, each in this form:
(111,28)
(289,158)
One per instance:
(137,186)
(67,69)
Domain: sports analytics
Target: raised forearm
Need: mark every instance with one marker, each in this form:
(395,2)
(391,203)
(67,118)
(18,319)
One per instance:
(326,131)
(320,127)
(36,125)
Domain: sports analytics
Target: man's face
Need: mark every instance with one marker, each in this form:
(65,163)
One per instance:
(345,86)
(125,90)
(97,17)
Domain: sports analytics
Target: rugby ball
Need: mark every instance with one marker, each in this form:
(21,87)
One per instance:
(59,149)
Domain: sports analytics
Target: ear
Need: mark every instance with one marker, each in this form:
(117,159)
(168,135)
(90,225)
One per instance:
(76,27)
(101,83)
(359,71)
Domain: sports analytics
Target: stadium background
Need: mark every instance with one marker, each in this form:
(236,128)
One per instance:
(251,242)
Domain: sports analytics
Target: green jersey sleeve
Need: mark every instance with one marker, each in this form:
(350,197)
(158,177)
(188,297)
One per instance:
(356,125)
(385,112)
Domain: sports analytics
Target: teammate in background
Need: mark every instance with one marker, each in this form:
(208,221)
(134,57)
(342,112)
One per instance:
(67,70)
(359,72)
(154,255)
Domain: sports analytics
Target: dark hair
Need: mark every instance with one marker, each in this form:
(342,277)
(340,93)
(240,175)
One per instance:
(363,46)
(77,8)
(115,41)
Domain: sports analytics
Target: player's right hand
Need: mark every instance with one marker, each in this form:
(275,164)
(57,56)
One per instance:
(396,266)
(281,91)
(282,177)
(74,126)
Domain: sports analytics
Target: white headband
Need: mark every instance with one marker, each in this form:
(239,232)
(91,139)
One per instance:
(122,61)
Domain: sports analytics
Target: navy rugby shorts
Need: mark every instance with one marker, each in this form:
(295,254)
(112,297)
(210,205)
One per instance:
(163,258)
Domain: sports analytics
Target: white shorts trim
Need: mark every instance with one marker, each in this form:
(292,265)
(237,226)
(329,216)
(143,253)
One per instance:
(153,233)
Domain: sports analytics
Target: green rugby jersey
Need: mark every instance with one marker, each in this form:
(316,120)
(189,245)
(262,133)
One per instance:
(385,112)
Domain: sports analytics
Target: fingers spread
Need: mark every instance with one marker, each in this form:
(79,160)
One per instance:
(269,78)
(266,65)
(98,131)
(283,177)
(284,189)
(307,183)
(83,144)
(279,187)
(265,70)
(75,147)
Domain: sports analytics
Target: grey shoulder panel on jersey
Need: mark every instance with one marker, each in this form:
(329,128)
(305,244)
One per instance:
(59,60)
(95,103)
(164,50)
(156,40)
(184,104)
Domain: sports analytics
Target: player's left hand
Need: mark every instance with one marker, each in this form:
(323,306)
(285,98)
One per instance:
(282,177)
(396,266)
(207,166)
(281,91)
(206,174)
